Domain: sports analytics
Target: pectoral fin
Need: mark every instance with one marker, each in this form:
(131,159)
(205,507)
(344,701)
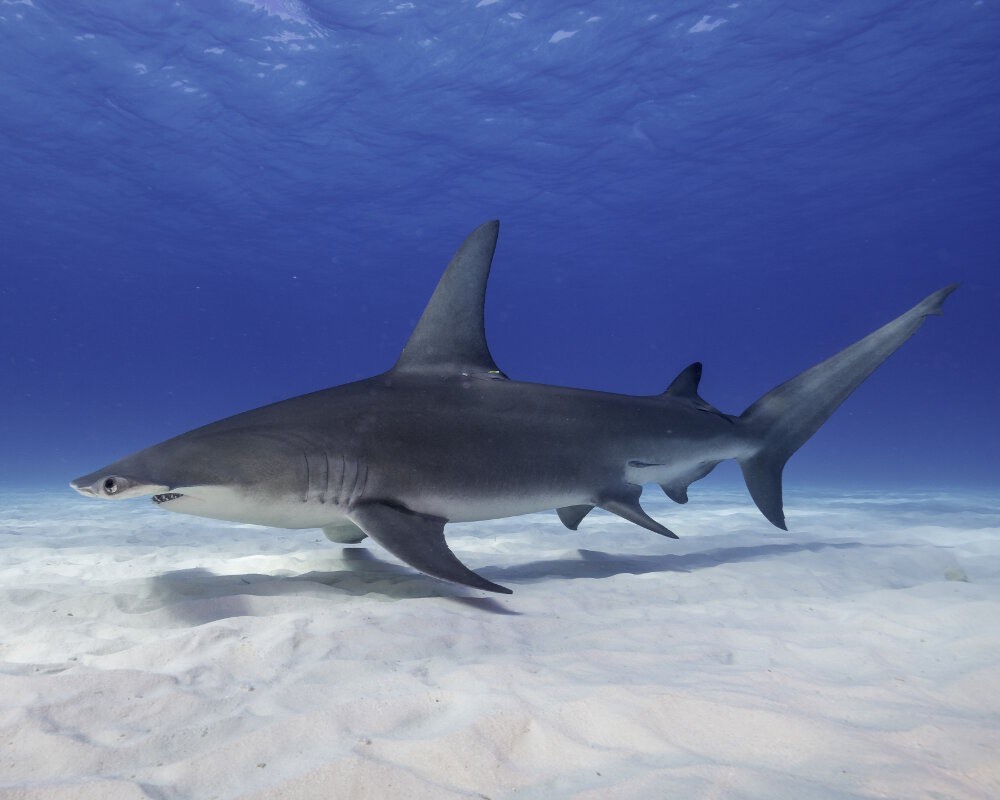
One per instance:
(343,532)
(418,540)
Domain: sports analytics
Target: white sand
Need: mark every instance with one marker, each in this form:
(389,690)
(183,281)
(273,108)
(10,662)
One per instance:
(146,654)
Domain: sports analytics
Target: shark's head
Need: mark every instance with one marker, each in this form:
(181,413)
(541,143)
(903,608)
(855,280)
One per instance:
(106,484)
(204,500)
(157,473)
(224,476)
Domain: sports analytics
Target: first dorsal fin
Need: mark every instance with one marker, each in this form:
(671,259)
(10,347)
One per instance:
(450,337)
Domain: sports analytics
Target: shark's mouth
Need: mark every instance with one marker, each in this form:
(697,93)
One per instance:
(160,499)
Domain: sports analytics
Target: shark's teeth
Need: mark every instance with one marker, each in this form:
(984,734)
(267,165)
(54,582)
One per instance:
(163,498)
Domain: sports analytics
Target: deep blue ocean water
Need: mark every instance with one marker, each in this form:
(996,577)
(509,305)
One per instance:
(207,206)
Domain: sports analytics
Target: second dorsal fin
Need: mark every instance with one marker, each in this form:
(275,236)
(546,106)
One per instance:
(685,387)
(450,337)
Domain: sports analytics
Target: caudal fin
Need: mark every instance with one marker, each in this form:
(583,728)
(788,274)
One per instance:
(784,418)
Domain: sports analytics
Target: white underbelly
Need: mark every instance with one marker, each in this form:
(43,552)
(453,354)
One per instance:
(475,509)
(219,502)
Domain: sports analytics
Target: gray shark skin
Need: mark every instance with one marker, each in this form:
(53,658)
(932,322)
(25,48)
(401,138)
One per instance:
(445,436)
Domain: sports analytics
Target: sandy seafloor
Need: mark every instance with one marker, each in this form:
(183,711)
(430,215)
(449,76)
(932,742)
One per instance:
(146,654)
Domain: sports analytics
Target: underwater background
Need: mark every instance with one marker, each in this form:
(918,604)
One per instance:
(208,206)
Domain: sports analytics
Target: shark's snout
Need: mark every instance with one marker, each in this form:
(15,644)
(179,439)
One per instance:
(84,489)
(114,487)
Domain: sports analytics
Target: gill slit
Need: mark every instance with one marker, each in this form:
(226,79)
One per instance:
(326,488)
(361,483)
(343,475)
(305,496)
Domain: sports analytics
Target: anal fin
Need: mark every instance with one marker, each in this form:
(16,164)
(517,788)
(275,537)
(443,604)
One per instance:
(625,503)
(418,540)
(677,490)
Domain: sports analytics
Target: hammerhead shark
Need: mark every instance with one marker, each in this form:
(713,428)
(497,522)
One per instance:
(445,436)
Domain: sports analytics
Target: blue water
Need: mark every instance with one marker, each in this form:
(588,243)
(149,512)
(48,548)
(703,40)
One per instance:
(207,206)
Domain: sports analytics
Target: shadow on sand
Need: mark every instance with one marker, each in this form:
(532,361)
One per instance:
(197,596)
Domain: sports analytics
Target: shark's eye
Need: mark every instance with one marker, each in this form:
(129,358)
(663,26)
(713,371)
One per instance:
(110,486)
